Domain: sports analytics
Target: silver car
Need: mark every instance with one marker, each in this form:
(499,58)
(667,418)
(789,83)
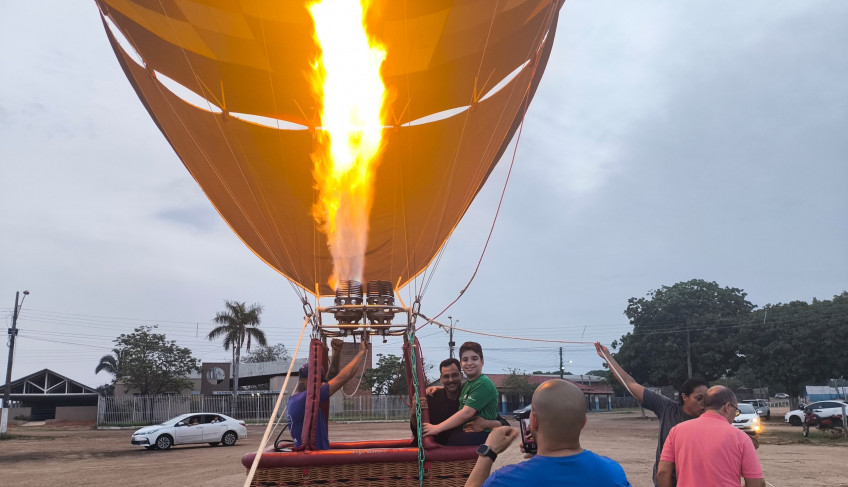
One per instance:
(211,428)
(747,419)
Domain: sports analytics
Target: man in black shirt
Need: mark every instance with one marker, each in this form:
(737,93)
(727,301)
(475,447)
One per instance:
(670,413)
(443,402)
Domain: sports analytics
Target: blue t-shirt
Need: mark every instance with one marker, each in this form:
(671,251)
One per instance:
(585,468)
(295,412)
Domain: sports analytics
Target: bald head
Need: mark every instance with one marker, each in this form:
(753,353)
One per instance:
(718,396)
(560,410)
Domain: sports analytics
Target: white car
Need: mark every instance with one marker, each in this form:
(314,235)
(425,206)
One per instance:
(747,419)
(822,408)
(781,395)
(209,428)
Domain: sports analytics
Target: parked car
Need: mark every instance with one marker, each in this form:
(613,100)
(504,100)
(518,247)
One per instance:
(822,408)
(209,428)
(747,419)
(781,395)
(762,407)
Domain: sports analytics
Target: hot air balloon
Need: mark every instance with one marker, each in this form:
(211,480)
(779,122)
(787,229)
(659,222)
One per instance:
(241,90)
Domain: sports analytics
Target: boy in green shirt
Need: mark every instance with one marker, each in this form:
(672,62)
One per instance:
(478,397)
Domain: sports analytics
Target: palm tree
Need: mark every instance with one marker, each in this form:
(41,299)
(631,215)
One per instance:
(238,325)
(111,363)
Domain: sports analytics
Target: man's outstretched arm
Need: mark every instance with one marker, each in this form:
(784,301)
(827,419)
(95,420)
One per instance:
(350,369)
(620,375)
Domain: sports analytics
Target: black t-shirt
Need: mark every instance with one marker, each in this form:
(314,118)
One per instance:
(441,408)
(670,414)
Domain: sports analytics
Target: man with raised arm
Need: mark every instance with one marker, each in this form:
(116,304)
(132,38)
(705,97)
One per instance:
(297,402)
(710,450)
(669,413)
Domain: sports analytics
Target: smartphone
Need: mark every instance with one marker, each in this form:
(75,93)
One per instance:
(523,417)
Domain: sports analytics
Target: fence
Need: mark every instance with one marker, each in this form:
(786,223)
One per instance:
(369,408)
(136,410)
(254,408)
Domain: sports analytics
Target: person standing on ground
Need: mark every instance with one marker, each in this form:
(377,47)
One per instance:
(710,450)
(557,417)
(669,413)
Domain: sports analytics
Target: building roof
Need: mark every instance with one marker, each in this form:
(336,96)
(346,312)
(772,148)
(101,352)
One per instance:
(590,388)
(46,382)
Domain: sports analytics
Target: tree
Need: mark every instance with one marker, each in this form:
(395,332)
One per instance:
(387,378)
(518,383)
(152,365)
(696,313)
(111,364)
(797,343)
(266,353)
(238,327)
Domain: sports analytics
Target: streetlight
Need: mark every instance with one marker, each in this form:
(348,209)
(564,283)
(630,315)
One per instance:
(13,332)
(451,343)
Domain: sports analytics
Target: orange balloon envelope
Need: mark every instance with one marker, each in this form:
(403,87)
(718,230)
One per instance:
(460,74)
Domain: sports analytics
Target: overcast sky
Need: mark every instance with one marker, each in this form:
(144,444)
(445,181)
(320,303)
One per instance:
(668,141)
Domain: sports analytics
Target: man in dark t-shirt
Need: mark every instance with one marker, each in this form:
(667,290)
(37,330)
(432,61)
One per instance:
(443,402)
(670,413)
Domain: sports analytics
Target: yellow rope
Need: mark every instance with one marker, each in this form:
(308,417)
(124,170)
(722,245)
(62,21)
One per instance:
(255,464)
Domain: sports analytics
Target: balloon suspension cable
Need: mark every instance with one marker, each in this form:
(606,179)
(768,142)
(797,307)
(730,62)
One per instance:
(495,219)
(272,420)
(445,326)
(418,430)
(609,359)
(361,372)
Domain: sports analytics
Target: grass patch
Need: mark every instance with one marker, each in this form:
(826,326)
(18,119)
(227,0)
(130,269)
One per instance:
(9,436)
(783,436)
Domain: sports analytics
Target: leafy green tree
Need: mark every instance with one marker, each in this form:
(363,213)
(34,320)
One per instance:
(151,365)
(696,312)
(518,383)
(388,377)
(266,353)
(797,343)
(238,325)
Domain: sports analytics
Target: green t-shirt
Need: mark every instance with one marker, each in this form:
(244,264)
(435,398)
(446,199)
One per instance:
(481,395)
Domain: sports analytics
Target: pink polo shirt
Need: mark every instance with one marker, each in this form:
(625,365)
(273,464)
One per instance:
(710,451)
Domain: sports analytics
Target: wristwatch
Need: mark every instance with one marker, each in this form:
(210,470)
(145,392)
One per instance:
(484,450)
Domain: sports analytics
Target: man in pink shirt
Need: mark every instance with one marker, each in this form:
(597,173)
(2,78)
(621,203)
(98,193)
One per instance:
(709,450)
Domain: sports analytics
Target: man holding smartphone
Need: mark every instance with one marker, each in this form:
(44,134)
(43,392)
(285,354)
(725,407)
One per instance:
(556,420)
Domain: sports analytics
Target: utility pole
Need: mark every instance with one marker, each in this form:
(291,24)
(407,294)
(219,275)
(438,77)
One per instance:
(561,371)
(13,332)
(688,352)
(451,343)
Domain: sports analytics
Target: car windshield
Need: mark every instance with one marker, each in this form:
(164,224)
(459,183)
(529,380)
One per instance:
(745,408)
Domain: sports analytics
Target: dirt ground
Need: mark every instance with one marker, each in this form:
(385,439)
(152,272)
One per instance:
(80,455)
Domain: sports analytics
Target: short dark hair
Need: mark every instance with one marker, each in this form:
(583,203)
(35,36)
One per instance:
(689,386)
(448,362)
(473,346)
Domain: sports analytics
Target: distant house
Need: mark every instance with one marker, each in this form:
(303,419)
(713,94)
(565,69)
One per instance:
(597,393)
(46,395)
(824,393)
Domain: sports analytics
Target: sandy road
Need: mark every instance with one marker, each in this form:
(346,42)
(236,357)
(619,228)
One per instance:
(78,455)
